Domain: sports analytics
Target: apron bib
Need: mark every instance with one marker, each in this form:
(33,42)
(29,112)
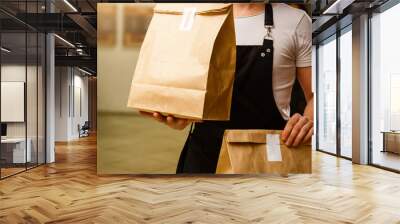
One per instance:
(253,106)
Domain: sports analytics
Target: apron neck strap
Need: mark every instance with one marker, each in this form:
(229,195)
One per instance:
(268,21)
(269,16)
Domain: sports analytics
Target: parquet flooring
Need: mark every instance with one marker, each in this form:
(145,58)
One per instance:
(69,191)
(10,171)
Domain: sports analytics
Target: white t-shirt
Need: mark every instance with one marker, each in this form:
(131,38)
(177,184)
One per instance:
(292,47)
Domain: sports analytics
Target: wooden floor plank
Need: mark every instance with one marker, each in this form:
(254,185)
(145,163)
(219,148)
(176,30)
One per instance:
(70,191)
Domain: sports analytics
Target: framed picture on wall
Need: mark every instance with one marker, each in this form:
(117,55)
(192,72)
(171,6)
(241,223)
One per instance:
(12,101)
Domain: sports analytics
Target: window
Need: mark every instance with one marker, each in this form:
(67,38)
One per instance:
(334,109)
(326,96)
(346,92)
(385,89)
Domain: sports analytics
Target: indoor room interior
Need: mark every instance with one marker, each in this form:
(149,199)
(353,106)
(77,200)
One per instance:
(56,109)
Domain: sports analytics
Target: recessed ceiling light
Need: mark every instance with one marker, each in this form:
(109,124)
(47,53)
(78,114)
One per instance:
(64,40)
(84,71)
(5,50)
(70,5)
(337,7)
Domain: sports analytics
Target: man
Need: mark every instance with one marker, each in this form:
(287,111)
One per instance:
(273,49)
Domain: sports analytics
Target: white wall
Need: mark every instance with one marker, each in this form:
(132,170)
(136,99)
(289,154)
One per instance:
(33,127)
(62,82)
(12,73)
(69,84)
(82,82)
(80,109)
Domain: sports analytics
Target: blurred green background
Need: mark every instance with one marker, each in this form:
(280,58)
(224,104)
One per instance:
(128,143)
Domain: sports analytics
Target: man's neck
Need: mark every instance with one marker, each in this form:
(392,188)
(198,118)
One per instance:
(243,10)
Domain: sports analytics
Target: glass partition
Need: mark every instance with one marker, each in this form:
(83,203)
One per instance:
(14,153)
(326,95)
(23,91)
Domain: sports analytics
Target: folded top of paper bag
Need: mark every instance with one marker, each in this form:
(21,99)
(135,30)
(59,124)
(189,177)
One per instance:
(252,136)
(201,8)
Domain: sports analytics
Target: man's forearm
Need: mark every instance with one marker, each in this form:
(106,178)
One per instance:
(309,110)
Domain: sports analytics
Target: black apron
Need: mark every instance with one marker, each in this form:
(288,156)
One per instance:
(253,106)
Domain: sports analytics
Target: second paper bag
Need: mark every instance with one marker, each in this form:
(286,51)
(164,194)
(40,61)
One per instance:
(187,62)
(261,151)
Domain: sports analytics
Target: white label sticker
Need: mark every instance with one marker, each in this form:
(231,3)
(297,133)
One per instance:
(273,148)
(187,19)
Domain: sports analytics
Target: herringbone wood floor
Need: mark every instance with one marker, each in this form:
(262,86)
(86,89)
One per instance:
(69,191)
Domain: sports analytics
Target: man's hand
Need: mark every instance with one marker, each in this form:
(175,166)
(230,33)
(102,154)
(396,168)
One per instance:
(172,122)
(298,129)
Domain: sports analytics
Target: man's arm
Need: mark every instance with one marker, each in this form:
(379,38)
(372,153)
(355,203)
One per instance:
(171,121)
(305,78)
(300,128)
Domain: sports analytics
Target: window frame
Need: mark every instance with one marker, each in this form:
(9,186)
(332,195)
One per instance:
(334,37)
(378,10)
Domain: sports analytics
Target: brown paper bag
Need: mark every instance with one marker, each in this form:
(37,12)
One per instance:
(187,62)
(261,151)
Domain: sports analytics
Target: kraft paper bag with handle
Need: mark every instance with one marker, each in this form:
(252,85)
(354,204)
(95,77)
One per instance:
(261,151)
(187,62)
